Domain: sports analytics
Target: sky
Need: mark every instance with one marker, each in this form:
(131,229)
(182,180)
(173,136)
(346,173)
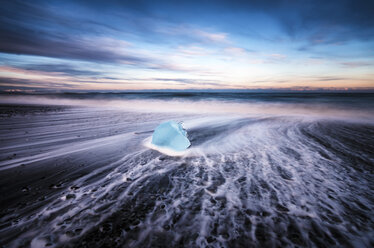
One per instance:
(114,45)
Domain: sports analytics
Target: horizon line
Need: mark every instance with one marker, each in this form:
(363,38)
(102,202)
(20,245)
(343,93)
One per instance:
(233,90)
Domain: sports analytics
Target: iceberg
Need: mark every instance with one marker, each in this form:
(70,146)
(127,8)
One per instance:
(171,135)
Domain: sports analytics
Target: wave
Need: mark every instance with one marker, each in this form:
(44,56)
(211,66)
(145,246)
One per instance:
(357,107)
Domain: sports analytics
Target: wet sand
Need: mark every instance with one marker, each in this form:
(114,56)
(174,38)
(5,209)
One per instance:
(74,176)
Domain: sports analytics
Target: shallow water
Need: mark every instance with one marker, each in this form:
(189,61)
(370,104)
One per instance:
(258,175)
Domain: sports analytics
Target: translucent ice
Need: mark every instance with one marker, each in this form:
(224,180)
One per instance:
(171,135)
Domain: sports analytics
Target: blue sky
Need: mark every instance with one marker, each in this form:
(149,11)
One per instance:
(135,45)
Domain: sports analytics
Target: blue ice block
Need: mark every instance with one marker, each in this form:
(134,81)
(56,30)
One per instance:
(171,135)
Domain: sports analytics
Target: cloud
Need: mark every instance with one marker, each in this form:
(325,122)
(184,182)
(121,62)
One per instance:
(192,51)
(237,51)
(356,64)
(188,81)
(189,34)
(277,56)
(211,37)
(329,78)
(7,82)
(206,39)
(34,29)
(60,68)
(26,41)
(319,21)
(274,58)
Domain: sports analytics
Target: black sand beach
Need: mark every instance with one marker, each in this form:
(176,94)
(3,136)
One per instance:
(80,175)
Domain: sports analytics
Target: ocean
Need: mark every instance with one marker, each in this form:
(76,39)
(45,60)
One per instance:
(263,170)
